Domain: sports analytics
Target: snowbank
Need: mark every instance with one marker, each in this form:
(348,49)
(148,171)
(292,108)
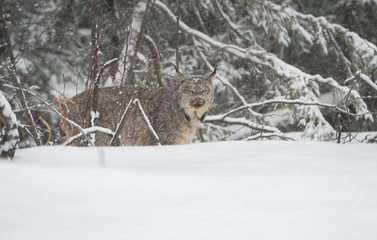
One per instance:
(227,190)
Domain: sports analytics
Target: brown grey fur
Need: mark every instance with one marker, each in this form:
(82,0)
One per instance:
(174,113)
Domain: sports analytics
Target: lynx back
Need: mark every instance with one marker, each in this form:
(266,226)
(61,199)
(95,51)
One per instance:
(174,113)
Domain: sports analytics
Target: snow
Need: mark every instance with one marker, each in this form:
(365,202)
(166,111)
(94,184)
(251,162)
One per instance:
(7,109)
(368,81)
(364,78)
(223,190)
(9,120)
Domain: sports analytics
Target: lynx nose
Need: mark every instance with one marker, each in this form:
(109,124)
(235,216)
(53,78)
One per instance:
(197,102)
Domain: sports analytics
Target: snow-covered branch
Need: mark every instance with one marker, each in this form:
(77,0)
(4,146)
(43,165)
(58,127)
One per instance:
(9,136)
(266,135)
(234,27)
(277,22)
(299,83)
(86,131)
(364,78)
(358,52)
(288,101)
(244,122)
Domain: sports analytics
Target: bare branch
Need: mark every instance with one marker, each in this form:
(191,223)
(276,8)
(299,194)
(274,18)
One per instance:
(149,125)
(288,101)
(243,122)
(156,58)
(266,135)
(364,78)
(120,124)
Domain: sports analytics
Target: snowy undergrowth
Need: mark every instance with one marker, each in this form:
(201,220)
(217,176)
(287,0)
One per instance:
(223,190)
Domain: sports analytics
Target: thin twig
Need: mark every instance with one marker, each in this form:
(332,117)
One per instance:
(286,101)
(149,125)
(120,124)
(243,122)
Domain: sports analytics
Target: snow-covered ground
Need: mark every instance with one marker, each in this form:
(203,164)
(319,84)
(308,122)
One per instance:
(226,190)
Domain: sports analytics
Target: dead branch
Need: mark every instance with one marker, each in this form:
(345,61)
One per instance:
(148,123)
(243,122)
(266,135)
(287,101)
(120,125)
(156,58)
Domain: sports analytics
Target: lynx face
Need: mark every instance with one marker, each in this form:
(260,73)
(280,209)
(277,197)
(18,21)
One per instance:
(195,94)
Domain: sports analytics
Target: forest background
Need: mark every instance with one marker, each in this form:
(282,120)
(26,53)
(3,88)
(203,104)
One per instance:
(283,66)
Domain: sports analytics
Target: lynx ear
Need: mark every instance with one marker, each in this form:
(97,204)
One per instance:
(179,78)
(213,75)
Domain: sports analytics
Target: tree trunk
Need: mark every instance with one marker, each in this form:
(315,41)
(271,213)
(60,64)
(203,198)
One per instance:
(133,42)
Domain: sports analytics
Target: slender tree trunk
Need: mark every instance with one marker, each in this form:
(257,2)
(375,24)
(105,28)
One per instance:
(17,82)
(93,74)
(156,59)
(177,36)
(134,40)
(114,31)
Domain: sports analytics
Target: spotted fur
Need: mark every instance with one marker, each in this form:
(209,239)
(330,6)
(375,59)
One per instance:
(174,113)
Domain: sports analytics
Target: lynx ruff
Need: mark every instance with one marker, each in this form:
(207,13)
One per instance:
(174,113)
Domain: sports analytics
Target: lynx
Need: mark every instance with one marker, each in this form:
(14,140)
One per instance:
(174,113)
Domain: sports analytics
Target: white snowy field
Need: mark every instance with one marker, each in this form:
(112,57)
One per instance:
(226,190)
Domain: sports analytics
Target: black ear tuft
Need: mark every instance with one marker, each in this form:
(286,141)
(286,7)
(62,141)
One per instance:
(175,67)
(213,75)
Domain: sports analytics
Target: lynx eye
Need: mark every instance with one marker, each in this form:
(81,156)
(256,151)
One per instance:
(189,91)
(205,91)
